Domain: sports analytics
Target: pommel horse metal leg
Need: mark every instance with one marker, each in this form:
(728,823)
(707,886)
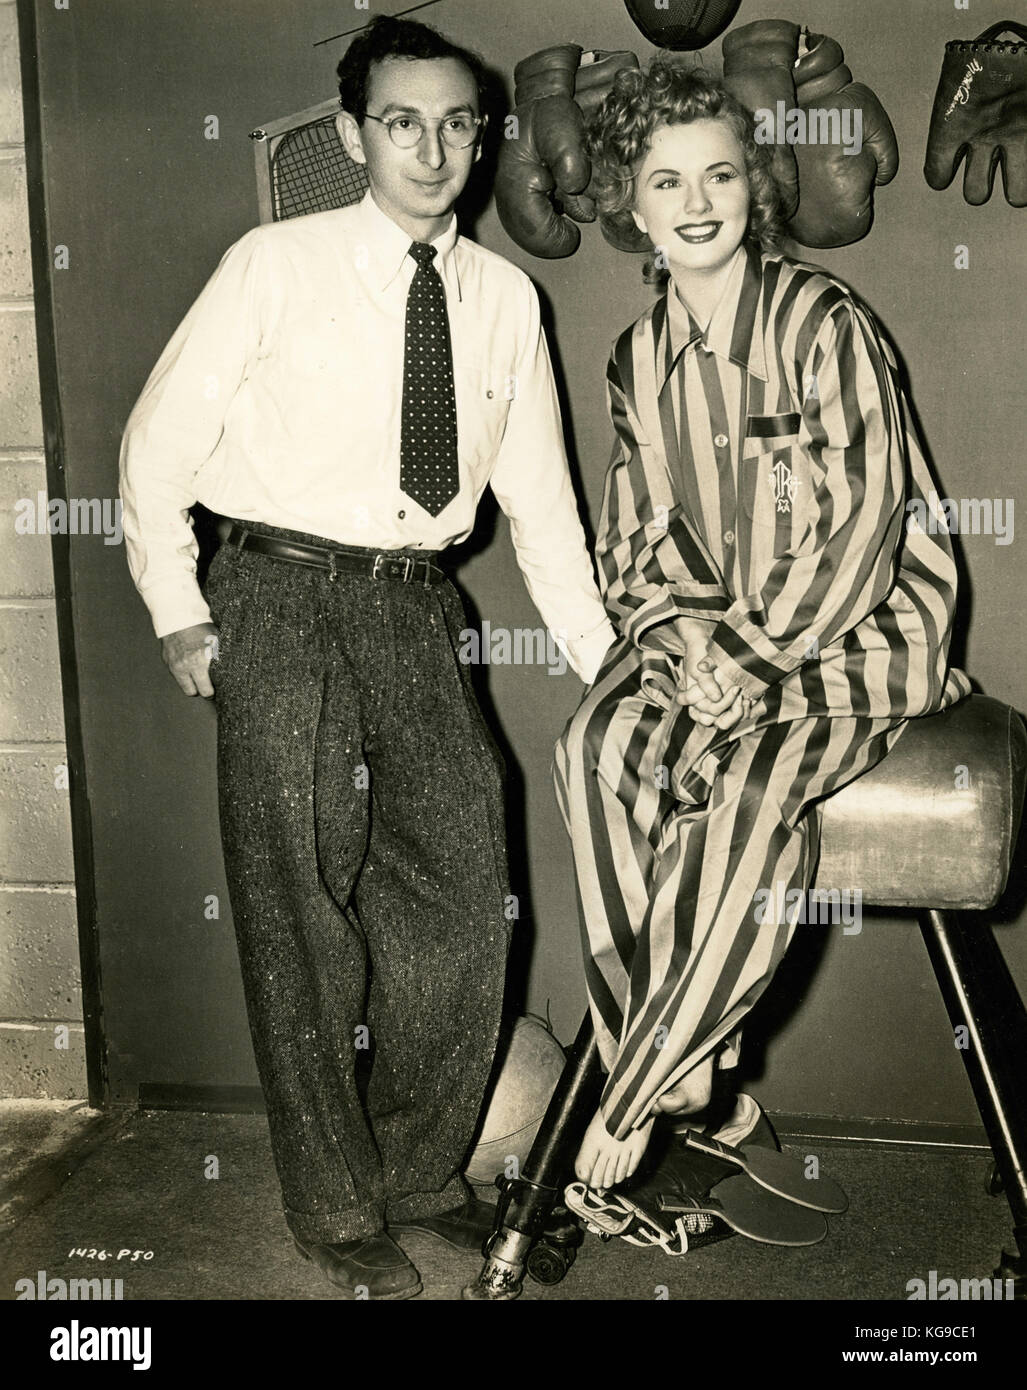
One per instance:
(981,996)
(527,1201)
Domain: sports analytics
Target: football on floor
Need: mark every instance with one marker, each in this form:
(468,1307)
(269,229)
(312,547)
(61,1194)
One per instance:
(529,1061)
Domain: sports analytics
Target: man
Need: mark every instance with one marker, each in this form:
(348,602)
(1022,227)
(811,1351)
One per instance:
(341,392)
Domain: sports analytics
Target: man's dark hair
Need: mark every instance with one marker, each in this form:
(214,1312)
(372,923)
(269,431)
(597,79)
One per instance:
(385,38)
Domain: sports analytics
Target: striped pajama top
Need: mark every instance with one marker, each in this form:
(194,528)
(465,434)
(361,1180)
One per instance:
(760,481)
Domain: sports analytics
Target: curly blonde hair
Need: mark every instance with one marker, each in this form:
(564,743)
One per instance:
(621,129)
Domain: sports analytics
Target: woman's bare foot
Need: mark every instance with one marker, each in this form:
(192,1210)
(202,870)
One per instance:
(692,1093)
(603,1161)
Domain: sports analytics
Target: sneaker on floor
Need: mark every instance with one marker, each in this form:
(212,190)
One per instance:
(634,1210)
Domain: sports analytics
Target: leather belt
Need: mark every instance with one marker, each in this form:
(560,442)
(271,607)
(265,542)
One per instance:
(383,564)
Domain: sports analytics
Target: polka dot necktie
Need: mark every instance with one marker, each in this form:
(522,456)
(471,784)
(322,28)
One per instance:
(428,469)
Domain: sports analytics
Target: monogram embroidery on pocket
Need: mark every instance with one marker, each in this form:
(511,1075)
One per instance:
(768,447)
(785,485)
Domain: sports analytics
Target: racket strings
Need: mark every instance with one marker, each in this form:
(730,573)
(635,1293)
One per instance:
(311,172)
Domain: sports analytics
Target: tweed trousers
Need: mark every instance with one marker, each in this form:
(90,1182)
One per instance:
(361,808)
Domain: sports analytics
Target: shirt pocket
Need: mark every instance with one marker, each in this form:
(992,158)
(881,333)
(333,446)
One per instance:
(314,344)
(775,483)
(330,385)
(484,395)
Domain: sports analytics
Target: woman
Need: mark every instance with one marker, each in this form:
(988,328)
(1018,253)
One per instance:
(779,622)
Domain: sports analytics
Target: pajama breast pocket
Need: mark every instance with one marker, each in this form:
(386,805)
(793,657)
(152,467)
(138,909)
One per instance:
(775,483)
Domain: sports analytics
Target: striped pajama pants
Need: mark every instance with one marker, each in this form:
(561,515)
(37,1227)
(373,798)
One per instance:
(675,829)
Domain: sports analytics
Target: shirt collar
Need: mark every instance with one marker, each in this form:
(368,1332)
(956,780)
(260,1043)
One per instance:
(387,246)
(732,331)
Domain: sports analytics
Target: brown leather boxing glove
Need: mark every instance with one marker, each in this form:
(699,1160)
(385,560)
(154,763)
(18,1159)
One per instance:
(849,148)
(543,172)
(758,65)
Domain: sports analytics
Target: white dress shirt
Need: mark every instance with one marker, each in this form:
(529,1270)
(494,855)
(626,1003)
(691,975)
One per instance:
(278,400)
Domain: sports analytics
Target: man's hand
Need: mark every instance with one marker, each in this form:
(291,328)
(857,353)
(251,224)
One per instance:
(187,654)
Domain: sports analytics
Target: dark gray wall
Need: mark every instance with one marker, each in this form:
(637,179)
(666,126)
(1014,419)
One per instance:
(147,205)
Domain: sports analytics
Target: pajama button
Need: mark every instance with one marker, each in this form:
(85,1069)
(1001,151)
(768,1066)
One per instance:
(401,515)
(720,440)
(728,537)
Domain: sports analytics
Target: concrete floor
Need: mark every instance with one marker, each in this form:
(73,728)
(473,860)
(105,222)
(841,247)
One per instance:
(135,1181)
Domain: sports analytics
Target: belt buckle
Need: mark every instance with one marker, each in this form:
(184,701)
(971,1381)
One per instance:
(381,558)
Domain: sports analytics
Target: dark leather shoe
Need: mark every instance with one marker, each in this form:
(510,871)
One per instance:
(372,1263)
(464,1228)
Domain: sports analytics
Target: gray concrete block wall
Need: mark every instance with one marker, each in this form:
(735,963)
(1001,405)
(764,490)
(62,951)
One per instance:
(41,1036)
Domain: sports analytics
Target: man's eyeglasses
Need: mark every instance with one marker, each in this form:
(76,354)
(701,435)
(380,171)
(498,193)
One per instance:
(406,131)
